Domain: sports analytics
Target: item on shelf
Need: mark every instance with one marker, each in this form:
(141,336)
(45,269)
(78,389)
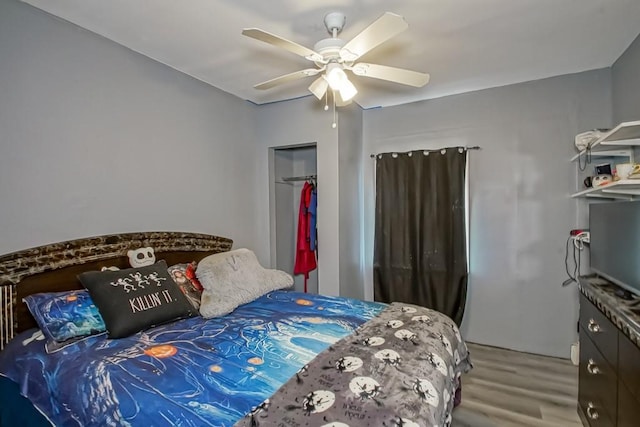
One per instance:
(600,180)
(603,169)
(623,170)
(585,139)
(615,146)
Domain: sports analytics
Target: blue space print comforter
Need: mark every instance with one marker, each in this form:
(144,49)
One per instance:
(192,372)
(286,359)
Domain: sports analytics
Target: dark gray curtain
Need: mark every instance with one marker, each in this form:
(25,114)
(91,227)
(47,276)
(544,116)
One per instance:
(420,254)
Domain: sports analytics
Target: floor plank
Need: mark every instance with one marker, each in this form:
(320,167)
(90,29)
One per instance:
(521,389)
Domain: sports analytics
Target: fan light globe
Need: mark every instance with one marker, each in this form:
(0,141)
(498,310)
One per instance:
(319,87)
(338,81)
(335,76)
(347,91)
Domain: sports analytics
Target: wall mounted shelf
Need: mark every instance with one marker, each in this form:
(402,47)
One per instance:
(617,140)
(619,143)
(628,189)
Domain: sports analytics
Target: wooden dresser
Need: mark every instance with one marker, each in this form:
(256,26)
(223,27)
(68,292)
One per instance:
(609,382)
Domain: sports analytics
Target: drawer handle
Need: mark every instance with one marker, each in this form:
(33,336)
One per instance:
(593,326)
(592,368)
(591,411)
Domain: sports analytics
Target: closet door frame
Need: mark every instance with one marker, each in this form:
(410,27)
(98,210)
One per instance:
(284,162)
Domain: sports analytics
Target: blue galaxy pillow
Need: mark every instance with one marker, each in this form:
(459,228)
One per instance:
(65,317)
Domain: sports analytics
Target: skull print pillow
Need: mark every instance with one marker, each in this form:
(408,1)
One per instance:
(135,299)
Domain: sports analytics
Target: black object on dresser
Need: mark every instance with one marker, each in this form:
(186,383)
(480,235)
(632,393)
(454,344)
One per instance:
(609,382)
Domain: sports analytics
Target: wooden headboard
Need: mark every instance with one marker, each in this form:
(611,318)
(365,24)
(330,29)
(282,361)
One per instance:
(54,267)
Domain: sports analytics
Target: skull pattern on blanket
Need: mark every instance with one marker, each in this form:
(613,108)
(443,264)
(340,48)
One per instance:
(401,368)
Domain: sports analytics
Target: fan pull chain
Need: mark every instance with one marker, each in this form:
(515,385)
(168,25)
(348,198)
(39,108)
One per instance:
(334,124)
(326,100)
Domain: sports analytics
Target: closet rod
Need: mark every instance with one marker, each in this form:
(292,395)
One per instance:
(298,178)
(475,147)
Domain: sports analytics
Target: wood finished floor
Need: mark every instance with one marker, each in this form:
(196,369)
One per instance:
(520,389)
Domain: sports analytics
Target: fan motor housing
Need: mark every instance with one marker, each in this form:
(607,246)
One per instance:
(329,48)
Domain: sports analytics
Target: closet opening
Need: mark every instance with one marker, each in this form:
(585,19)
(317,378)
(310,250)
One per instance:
(291,169)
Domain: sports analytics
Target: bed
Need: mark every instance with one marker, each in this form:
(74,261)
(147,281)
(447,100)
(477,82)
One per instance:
(282,359)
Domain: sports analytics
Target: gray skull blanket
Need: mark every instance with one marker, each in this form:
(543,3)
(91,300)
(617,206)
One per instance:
(401,368)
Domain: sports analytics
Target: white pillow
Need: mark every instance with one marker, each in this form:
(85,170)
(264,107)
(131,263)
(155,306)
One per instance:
(233,278)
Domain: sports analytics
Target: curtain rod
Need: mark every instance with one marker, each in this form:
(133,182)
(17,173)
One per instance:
(475,147)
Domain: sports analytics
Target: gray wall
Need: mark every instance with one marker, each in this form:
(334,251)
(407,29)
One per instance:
(291,123)
(520,212)
(338,156)
(281,201)
(97,139)
(350,144)
(626,85)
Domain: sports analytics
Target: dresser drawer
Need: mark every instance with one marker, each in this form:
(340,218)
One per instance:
(629,365)
(600,330)
(595,417)
(598,388)
(628,408)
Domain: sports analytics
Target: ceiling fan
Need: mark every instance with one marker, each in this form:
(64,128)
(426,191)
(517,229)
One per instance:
(332,56)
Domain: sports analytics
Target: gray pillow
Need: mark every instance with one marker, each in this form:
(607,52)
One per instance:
(233,278)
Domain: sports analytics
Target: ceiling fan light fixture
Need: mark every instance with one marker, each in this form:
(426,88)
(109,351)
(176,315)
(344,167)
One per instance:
(339,82)
(333,56)
(335,76)
(347,90)
(319,87)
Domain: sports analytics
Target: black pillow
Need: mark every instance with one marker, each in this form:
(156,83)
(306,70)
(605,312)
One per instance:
(135,299)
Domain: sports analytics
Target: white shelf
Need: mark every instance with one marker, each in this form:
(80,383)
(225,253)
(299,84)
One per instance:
(623,189)
(622,136)
(606,153)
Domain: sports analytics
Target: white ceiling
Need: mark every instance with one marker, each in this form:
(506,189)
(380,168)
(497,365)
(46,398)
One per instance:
(464,44)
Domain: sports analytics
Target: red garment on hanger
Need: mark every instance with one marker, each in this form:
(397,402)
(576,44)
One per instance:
(305,257)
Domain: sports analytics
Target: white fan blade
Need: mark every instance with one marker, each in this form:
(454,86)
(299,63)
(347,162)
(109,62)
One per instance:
(278,41)
(381,30)
(319,87)
(287,78)
(392,74)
